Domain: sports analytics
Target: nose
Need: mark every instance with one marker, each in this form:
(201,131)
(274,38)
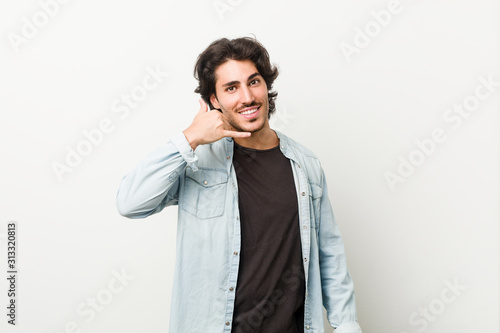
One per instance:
(246,96)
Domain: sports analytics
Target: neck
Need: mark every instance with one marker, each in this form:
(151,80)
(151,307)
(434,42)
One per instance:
(264,138)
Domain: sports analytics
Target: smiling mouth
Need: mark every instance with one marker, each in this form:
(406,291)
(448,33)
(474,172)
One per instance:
(249,111)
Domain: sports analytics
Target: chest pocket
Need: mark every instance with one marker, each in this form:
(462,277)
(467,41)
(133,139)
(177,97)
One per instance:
(204,193)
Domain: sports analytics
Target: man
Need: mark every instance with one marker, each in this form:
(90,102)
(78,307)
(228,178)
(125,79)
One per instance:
(258,249)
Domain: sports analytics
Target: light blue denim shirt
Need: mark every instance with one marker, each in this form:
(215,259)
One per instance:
(203,184)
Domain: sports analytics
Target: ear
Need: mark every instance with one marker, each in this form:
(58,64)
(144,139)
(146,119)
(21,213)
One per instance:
(214,101)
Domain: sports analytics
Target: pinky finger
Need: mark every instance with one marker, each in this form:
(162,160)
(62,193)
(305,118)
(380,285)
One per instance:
(235,134)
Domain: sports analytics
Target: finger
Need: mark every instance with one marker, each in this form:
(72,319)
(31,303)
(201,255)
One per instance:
(235,134)
(227,125)
(203,106)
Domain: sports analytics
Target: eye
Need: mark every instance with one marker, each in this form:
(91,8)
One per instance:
(254,82)
(231,89)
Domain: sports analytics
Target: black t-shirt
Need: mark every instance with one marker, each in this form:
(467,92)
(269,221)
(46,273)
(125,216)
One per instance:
(270,289)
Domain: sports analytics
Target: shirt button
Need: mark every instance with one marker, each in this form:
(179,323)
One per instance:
(205,182)
(307,327)
(231,288)
(305,227)
(235,253)
(227,323)
(229,157)
(303,193)
(282,147)
(305,259)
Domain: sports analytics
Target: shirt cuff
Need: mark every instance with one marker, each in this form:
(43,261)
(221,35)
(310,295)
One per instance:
(182,144)
(348,328)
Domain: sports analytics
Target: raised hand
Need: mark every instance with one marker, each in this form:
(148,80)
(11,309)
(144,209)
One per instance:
(210,126)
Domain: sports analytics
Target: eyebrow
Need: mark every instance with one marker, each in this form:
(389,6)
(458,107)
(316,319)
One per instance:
(232,83)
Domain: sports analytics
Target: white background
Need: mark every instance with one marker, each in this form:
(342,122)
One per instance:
(360,114)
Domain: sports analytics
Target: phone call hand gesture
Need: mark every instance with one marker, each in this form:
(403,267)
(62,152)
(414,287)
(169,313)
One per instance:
(209,126)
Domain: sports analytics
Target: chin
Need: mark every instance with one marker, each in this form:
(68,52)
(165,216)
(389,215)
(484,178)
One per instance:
(254,126)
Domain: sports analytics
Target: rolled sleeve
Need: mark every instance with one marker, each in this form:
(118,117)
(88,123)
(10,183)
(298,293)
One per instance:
(352,327)
(154,183)
(185,150)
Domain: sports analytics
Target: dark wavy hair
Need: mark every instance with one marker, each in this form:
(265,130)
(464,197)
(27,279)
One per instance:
(222,50)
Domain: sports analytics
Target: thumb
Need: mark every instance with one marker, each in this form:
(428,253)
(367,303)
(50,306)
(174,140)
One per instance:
(203,106)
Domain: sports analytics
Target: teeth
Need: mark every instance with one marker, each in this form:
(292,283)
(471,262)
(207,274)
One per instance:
(249,111)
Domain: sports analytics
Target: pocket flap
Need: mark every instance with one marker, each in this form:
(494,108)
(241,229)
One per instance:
(207,178)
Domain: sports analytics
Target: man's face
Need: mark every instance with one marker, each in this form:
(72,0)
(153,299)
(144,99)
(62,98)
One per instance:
(241,95)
